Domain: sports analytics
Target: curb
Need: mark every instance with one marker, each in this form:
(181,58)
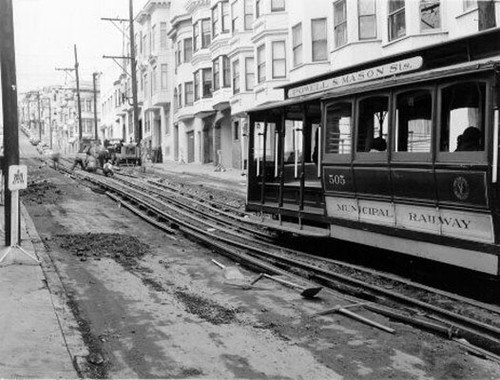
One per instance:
(70,330)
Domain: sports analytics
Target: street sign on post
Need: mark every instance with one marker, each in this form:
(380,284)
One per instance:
(18,177)
(17,180)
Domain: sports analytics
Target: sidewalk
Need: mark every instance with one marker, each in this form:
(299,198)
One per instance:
(39,337)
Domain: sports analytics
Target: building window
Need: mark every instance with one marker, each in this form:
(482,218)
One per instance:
(164,76)
(258,8)
(226,72)
(188,49)
(140,41)
(153,39)
(430,15)
(297,44)
(215,21)
(367,24)
(197,85)
(144,44)
(220,18)
(146,85)
(225,16)
(236,77)
(340,22)
(178,54)
(216,70)
(249,74)
(248,14)
(236,131)
(319,40)
(469,4)
(205,33)
(188,90)
(397,22)
(196,36)
(279,59)
(163,35)
(176,100)
(153,81)
(234,17)
(277,5)
(207,83)
(179,96)
(261,63)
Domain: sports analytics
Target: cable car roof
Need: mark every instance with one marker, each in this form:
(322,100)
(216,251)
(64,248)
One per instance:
(444,72)
(477,66)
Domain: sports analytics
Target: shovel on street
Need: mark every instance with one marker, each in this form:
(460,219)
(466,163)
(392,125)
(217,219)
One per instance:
(306,292)
(230,272)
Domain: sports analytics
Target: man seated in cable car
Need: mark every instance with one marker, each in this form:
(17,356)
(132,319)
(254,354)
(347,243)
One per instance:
(469,141)
(378,145)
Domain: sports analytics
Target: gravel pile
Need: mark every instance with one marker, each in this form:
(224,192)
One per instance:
(122,248)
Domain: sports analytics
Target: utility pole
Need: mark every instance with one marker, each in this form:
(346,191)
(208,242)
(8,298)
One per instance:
(486,13)
(78,99)
(10,121)
(133,67)
(39,117)
(50,121)
(94,77)
(28,98)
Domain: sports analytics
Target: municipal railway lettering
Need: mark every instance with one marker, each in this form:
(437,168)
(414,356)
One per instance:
(440,220)
(365,210)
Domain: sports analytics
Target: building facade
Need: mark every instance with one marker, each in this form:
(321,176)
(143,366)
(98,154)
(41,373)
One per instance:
(225,57)
(50,115)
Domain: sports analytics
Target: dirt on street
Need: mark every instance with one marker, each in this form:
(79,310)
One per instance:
(153,305)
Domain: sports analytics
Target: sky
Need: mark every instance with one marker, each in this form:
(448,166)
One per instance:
(46,31)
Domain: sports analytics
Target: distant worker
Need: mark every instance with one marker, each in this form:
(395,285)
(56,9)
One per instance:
(55,157)
(378,145)
(108,169)
(103,156)
(469,141)
(89,163)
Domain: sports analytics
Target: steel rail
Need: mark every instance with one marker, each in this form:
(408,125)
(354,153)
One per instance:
(252,231)
(399,297)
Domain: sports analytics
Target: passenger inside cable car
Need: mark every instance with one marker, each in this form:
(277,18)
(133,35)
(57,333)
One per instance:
(469,141)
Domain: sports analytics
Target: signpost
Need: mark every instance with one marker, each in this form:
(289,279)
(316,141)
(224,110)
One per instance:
(17,180)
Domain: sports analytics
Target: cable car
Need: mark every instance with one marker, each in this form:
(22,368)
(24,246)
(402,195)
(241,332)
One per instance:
(399,153)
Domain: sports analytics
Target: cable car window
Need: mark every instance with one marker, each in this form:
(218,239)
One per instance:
(413,122)
(373,124)
(293,141)
(338,129)
(462,117)
(269,148)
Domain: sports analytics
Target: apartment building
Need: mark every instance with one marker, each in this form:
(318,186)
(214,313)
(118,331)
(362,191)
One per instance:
(154,76)
(244,50)
(51,114)
(225,57)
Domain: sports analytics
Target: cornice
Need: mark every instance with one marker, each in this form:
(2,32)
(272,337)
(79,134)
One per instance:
(193,5)
(149,8)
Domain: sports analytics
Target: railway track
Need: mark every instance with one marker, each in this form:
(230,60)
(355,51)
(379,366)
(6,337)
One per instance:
(471,323)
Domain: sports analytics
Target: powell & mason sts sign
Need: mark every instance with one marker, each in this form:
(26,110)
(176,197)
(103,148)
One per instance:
(390,69)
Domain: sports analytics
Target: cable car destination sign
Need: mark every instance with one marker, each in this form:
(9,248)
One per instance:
(387,70)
